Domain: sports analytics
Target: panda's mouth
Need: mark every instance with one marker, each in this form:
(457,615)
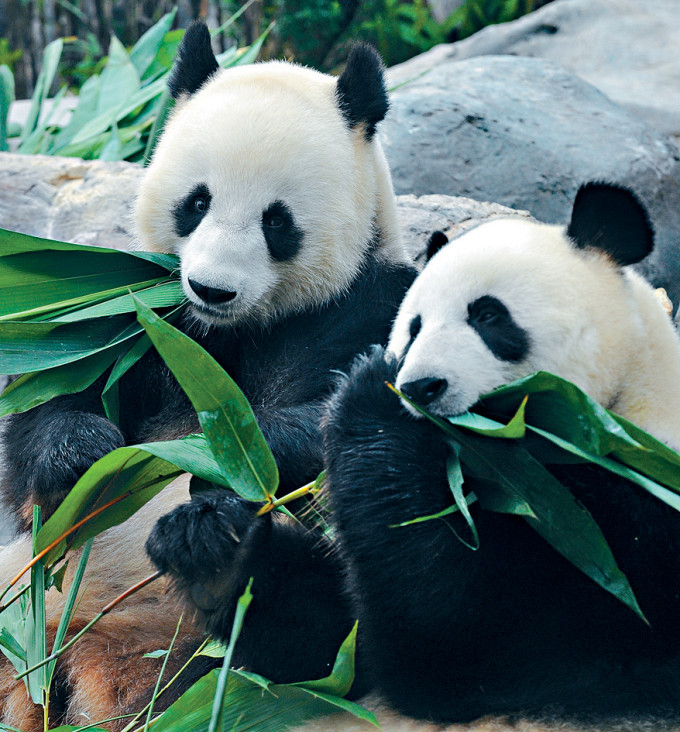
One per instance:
(213,315)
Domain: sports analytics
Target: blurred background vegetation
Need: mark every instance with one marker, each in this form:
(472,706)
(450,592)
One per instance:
(95,69)
(313,32)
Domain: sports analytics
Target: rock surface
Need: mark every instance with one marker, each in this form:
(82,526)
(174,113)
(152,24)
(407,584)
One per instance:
(626,48)
(90,202)
(87,202)
(526,133)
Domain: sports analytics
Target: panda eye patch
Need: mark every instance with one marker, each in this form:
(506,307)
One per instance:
(413,329)
(282,234)
(189,212)
(494,324)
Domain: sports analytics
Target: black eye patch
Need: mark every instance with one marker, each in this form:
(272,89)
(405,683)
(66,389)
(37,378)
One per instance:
(413,329)
(281,233)
(189,212)
(495,326)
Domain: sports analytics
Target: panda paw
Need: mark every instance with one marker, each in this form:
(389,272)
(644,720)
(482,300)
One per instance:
(365,391)
(200,543)
(42,465)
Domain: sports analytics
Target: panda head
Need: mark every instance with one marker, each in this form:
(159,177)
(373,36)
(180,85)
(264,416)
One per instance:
(268,182)
(514,296)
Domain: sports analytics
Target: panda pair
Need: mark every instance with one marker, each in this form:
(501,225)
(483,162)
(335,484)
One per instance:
(270,184)
(512,630)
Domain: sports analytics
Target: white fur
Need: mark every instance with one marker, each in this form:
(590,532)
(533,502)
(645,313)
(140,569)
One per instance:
(254,135)
(588,320)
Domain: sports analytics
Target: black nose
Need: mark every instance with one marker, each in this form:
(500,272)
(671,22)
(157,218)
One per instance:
(212,295)
(424,391)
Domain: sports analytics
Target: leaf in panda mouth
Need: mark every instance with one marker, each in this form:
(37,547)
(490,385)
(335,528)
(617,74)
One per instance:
(506,467)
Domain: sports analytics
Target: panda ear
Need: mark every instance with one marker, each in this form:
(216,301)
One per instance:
(438,239)
(195,62)
(361,92)
(611,218)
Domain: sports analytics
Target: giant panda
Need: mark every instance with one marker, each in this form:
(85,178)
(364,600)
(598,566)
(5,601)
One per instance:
(511,636)
(270,184)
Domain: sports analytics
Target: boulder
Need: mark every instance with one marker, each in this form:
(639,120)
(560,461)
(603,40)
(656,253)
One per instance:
(526,133)
(90,202)
(626,48)
(87,202)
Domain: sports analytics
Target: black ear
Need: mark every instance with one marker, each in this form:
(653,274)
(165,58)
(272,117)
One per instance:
(195,62)
(438,239)
(361,92)
(611,218)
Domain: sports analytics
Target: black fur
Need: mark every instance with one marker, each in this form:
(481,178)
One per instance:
(361,92)
(438,239)
(189,212)
(493,322)
(195,63)
(283,236)
(610,218)
(286,370)
(446,633)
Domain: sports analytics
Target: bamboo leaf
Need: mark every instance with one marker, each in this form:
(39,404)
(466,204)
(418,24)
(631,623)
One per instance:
(36,624)
(223,412)
(559,518)
(36,388)
(130,476)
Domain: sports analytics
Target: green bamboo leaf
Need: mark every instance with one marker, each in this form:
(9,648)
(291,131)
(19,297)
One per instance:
(36,624)
(36,346)
(559,518)
(124,363)
(218,702)
(163,108)
(6,99)
(341,678)
(454,475)
(11,644)
(251,704)
(69,609)
(146,49)
(118,81)
(36,388)
(515,429)
(223,412)
(133,475)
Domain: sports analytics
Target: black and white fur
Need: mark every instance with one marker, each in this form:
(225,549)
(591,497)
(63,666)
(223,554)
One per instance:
(512,632)
(271,186)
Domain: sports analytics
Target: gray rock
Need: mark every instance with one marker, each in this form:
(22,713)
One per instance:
(87,202)
(626,48)
(526,133)
(419,216)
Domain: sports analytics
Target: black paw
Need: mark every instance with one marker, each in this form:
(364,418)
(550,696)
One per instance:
(45,460)
(365,390)
(201,541)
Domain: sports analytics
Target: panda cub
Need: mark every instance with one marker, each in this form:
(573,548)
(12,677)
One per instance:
(511,631)
(270,184)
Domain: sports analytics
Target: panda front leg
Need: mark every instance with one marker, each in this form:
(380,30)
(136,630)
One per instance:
(299,614)
(48,448)
(409,583)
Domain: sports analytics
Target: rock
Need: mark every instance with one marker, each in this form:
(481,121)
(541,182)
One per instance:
(526,133)
(90,202)
(87,202)
(626,48)
(419,216)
